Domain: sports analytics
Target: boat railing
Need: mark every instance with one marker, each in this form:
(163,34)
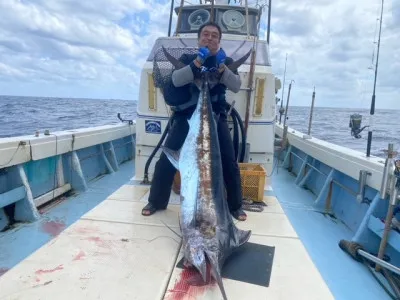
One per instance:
(37,169)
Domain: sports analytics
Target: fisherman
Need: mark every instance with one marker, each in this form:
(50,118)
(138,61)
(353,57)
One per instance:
(184,80)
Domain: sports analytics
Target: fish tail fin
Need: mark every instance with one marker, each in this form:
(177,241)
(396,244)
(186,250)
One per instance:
(216,272)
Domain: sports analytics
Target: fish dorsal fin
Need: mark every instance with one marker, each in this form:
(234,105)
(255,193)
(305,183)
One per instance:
(236,64)
(175,62)
(172,155)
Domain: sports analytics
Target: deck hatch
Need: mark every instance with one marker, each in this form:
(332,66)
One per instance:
(252,263)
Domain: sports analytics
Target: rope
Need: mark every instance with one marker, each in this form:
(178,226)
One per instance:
(13,155)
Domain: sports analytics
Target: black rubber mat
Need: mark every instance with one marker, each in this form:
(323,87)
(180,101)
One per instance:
(252,263)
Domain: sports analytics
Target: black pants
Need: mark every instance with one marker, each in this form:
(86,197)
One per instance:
(164,172)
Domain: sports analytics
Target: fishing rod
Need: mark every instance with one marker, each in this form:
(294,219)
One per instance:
(372,110)
(282,110)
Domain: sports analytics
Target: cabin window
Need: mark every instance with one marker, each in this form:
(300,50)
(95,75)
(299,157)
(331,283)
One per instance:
(232,20)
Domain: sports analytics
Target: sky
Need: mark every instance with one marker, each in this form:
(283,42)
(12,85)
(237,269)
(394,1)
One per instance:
(96,49)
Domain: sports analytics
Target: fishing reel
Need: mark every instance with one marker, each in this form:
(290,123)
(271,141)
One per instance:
(355,125)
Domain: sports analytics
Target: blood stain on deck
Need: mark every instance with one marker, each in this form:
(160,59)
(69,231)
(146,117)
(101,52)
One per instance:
(100,242)
(41,271)
(86,230)
(190,284)
(79,256)
(53,228)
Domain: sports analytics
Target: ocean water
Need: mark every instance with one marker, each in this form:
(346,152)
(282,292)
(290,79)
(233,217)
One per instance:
(332,125)
(25,115)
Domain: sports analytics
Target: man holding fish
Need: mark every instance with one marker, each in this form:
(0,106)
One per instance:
(209,55)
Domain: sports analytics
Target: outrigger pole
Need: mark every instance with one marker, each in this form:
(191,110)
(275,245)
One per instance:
(372,111)
(170,17)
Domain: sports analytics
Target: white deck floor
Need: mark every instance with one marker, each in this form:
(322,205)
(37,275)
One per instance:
(113,252)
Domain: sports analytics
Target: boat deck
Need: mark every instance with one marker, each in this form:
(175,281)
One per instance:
(113,252)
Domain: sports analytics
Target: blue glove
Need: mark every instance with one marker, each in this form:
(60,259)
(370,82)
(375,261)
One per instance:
(202,55)
(221,57)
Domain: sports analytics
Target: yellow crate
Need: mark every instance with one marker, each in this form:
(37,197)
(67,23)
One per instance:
(252,177)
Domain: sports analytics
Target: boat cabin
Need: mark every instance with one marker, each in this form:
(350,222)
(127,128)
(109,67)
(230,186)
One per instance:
(255,103)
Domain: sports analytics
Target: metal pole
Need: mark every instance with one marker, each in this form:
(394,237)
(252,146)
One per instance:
(269,21)
(170,17)
(380,262)
(283,88)
(389,216)
(287,103)
(178,23)
(311,113)
(251,75)
(247,17)
(212,11)
(387,170)
(372,111)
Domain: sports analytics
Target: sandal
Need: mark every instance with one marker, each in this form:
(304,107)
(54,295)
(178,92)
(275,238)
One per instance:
(239,214)
(150,210)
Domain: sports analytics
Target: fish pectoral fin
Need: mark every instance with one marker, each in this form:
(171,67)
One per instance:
(172,155)
(243,236)
(239,237)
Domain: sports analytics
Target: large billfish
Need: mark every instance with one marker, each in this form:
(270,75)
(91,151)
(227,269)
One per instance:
(208,231)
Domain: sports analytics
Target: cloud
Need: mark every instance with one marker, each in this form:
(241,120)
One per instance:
(334,54)
(97,48)
(32,20)
(68,42)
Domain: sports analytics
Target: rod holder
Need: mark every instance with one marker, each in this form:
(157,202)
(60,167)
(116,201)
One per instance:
(394,190)
(284,137)
(388,171)
(361,185)
(395,184)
